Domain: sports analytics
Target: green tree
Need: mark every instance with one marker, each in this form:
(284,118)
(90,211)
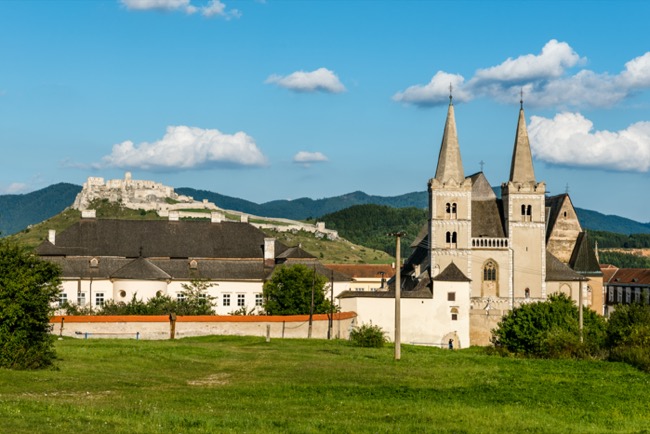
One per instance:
(289,290)
(628,335)
(550,329)
(28,287)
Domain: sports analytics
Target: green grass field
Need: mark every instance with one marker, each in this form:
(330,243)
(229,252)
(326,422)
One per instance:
(243,384)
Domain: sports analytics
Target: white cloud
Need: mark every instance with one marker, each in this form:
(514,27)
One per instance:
(216,8)
(15,188)
(183,148)
(543,77)
(569,139)
(160,5)
(435,92)
(306,158)
(551,62)
(213,8)
(322,80)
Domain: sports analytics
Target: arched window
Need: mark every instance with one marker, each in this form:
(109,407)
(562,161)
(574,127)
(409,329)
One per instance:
(527,292)
(451,239)
(447,210)
(454,210)
(490,271)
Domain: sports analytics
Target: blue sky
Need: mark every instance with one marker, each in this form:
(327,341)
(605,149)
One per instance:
(269,100)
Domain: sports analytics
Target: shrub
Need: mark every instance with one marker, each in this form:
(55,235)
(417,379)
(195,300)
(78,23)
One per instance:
(628,335)
(550,329)
(28,286)
(371,336)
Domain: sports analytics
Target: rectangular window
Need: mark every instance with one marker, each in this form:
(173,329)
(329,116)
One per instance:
(358,289)
(619,295)
(226,299)
(610,294)
(63,299)
(99,299)
(241,300)
(180,297)
(451,296)
(259,301)
(627,295)
(454,316)
(81,298)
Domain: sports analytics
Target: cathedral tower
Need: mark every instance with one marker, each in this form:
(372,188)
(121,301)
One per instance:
(450,205)
(525,214)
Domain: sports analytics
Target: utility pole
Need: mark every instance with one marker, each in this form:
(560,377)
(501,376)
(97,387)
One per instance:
(311,307)
(331,321)
(398,290)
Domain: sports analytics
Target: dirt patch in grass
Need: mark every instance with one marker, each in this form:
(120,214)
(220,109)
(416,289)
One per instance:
(220,379)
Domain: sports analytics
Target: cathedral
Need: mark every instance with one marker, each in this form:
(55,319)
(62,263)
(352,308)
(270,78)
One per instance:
(480,255)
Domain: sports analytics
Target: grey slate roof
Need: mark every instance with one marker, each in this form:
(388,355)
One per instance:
(140,269)
(451,274)
(583,259)
(487,215)
(557,271)
(167,239)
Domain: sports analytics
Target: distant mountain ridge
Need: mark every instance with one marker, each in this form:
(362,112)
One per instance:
(18,211)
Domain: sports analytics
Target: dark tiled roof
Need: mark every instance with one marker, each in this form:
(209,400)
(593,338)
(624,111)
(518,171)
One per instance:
(583,259)
(295,252)
(451,274)
(422,237)
(140,269)
(421,293)
(179,239)
(213,269)
(487,215)
(176,269)
(557,271)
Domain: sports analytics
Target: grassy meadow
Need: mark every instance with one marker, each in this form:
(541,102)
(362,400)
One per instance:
(243,384)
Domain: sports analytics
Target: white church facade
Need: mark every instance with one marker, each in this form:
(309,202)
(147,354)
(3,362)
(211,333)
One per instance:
(479,255)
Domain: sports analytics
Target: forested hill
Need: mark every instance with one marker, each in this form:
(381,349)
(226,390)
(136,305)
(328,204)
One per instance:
(369,225)
(304,208)
(17,211)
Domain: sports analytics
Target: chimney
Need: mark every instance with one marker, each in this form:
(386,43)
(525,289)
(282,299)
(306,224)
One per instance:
(216,217)
(51,236)
(88,214)
(174,216)
(269,252)
(244,218)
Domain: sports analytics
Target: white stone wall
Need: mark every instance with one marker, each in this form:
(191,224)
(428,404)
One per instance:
(158,327)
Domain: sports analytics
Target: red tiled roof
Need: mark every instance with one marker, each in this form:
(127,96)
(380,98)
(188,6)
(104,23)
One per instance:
(363,270)
(634,276)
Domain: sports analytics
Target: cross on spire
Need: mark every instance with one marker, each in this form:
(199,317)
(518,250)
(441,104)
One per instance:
(521,98)
(482,163)
(450,91)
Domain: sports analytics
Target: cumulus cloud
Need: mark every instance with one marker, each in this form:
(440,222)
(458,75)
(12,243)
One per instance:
(320,80)
(545,79)
(211,9)
(307,158)
(570,139)
(436,92)
(183,148)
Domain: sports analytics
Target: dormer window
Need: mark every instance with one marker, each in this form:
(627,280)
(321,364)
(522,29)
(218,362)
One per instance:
(94,263)
(194,264)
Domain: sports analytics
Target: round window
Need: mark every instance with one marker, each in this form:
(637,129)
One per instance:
(122,293)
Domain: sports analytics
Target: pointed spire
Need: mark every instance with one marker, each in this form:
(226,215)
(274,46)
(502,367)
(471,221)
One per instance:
(450,165)
(521,169)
